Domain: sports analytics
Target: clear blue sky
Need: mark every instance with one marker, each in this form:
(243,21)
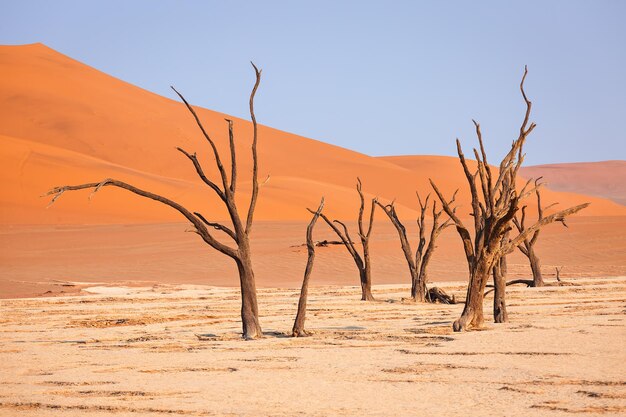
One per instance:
(382,78)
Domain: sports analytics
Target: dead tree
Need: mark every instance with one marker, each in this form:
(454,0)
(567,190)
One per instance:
(241,227)
(495,200)
(362,262)
(558,273)
(298,325)
(418,260)
(527,247)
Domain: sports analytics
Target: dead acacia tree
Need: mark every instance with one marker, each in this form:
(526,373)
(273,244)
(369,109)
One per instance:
(418,260)
(298,325)
(362,262)
(241,227)
(495,200)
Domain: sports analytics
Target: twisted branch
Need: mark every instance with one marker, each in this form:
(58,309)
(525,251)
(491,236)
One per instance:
(255,160)
(197,222)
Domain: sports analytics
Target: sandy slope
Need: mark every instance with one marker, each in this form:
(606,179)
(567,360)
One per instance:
(64,122)
(95,127)
(135,352)
(605,179)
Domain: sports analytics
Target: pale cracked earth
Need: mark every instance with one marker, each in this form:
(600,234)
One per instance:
(136,352)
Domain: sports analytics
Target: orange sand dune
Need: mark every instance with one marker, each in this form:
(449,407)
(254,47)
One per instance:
(606,179)
(64,122)
(97,127)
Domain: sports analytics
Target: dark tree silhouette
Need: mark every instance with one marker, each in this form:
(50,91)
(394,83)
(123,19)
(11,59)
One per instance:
(418,261)
(298,325)
(495,201)
(557,270)
(363,262)
(241,227)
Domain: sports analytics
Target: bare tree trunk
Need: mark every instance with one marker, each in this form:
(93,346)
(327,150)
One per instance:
(298,325)
(535,266)
(418,285)
(422,279)
(366,276)
(558,273)
(472,316)
(500,314)
(249,307)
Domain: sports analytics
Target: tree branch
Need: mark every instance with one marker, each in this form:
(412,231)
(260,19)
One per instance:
(559,216)
(255,160)
(233,157)
(198,224)
(347,242)
(484,160)
(194,159)
(390,211)
(472,185)
(460,227)
(218,160)
(217,226)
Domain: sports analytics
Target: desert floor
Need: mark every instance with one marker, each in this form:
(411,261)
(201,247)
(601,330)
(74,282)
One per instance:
(176,350)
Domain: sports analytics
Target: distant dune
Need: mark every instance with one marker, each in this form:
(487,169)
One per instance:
(63,122)
(606,179)
(425,166)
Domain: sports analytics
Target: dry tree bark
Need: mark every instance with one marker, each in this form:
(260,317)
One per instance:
(499,271)
(241,228)
(418,260)
(500,314)
(363,262)
(298,325)
(495,201)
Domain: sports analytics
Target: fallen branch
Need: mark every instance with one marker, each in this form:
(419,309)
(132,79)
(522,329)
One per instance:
(436,294)
(322,243)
